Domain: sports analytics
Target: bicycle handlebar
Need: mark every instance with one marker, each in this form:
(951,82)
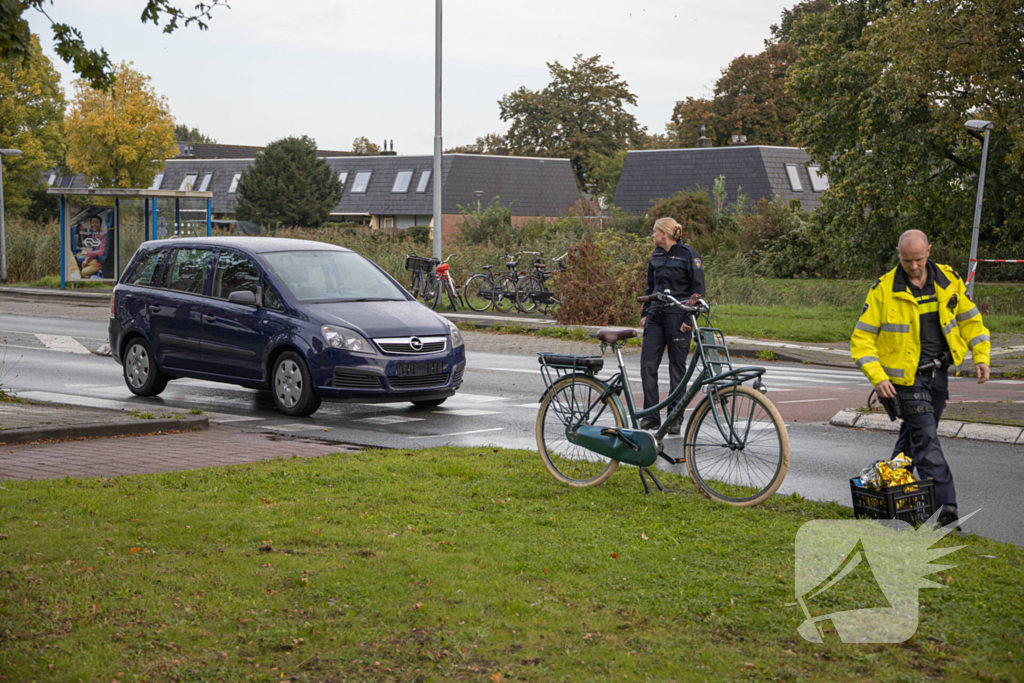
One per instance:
(666,298)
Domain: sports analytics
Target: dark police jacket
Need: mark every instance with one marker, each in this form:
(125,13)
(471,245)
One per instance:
(678,270)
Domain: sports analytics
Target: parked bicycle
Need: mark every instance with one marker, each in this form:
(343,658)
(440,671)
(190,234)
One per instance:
(736,447)
(533,292)
(505,286)
(424,278)
(446,286)
(482,291)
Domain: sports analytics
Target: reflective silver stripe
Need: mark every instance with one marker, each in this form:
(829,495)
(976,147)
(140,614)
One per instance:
(864,327)
(893,372)
(977,340)
(967,315)
(949,328)
(866,359)
(889,327)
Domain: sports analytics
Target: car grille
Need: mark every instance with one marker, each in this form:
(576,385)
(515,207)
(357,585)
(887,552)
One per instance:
(459,370)
(404,345)
(349,379)
(419,382)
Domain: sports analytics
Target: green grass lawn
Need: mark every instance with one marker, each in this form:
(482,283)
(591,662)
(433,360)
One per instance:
(464,564)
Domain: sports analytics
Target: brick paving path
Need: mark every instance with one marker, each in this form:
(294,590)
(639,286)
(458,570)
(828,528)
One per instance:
(215,447)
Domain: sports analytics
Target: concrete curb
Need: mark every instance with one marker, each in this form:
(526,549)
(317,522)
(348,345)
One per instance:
(953,429)
(55,295)
(122,427)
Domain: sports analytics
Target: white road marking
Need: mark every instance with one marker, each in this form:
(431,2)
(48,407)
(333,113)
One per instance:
(439,436)
(810,400)
(475,398)
(294,427)
(59,342)
(390,419)
(533,406)
(465,412)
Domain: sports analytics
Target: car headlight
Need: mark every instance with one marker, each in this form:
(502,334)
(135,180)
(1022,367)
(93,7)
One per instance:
(457,340)
(347,340)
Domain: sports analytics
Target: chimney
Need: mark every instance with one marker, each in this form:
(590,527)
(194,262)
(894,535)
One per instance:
(738,139)
(704,141)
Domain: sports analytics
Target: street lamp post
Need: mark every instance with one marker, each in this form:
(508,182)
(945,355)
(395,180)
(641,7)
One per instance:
(975,124)
(3,226)
(437,130)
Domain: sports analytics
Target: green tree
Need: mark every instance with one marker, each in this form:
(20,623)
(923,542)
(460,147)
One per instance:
(183,133)
(288,184)
(580,112)
(119,137)
(884,90)
(32,120)
(492,143)
(362,145)
(92,65)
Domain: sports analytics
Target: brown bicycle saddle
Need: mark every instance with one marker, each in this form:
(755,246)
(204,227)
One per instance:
(612,336)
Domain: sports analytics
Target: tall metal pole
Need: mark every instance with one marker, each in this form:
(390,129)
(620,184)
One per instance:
(3,228)
(437,130)
(972,266)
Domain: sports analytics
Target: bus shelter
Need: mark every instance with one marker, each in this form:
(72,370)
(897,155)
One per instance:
(100,229)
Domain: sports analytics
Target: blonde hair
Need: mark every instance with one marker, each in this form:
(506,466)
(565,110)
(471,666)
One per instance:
(670,227)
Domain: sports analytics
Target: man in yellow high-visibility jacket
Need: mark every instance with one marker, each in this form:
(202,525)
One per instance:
(917,321)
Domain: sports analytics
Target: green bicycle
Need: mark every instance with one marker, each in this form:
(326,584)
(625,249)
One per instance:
(736,447)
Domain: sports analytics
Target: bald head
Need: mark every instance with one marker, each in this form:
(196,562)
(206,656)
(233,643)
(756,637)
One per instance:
(913,251)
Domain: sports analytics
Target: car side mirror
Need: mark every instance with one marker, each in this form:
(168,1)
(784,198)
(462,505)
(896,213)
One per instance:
(244,298)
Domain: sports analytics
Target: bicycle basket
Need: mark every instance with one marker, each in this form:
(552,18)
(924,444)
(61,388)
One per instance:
(418,263)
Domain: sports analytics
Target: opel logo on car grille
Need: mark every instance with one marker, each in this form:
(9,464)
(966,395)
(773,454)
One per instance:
(416,343)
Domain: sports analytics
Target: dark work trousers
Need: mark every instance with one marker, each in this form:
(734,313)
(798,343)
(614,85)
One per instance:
(918,438)
(661,330)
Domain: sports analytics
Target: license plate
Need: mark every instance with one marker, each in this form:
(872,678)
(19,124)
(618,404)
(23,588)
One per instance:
(419,369)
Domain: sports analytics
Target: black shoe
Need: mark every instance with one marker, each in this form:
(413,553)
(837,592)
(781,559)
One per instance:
(676,427)
(949,515)
(651,423)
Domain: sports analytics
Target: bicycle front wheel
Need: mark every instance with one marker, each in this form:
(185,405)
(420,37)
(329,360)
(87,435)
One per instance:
(453,294)
(529,292)
(417,284)
(504,294)
(431,293)
(573,401)
(479,292)
(737,447)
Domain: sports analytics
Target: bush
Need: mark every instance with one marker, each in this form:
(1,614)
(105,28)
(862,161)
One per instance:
(419,234)
(781,241)
(33,250)
(490,225)
(691,209)
(602,279)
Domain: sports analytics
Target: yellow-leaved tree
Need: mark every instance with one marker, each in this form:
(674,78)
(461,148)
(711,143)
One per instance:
(119,137)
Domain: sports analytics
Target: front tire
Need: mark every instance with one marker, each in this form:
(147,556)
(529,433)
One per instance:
(504,295)
(292,386)
(562,405)
(139,368)
(426,405)
(749,471)
(479,293)
(528,293)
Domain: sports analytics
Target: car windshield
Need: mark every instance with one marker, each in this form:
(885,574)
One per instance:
(329,276)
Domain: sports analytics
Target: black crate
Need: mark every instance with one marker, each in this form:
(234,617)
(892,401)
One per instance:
(912,503)
(419,263)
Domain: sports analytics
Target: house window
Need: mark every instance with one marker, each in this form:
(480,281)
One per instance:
(794,178)
(819,181)
(342,178)
(189,182)
(424,179)
(206,182)
(158,181)
(234,183)
(402,181)
(389,222)
(362,180)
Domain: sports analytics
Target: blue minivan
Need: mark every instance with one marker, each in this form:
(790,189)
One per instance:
(306,320)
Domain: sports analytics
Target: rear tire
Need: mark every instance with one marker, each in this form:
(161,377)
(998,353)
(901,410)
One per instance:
(568,463)
(140,371)
(504,294)
(292,386)
(479,293)
(453,294)
(426,405)
(526,293)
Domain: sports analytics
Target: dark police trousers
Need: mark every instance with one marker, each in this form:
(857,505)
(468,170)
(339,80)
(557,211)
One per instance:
(918,438)
(661,330)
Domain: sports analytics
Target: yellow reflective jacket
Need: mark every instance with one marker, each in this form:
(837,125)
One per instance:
(886,342)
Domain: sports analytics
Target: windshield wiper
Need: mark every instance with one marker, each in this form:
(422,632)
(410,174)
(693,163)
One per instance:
(372,299)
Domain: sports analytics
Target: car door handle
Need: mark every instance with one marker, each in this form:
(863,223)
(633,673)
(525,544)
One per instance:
(155,309)
(209,318)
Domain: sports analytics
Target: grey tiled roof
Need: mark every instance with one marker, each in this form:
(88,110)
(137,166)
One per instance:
(528,186)
(760,171)
(213,150)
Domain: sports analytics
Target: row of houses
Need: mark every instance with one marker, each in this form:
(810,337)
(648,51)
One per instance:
(391,191)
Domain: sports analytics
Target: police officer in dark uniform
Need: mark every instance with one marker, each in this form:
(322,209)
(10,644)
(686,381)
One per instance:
(674,267)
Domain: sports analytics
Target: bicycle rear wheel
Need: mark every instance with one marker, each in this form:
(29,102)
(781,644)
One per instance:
(479,292)
(453,294)
(431,292)
(504,294)
(571,401)
(737,451)
(528,293)
(417,284)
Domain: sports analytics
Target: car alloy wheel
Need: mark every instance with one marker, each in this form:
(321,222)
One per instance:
(288,386)
(136,366)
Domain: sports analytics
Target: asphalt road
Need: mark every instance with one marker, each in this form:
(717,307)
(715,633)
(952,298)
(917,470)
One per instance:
(50,359)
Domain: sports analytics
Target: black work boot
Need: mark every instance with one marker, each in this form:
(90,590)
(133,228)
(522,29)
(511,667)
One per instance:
(651,422)
(676,427)
(949,515)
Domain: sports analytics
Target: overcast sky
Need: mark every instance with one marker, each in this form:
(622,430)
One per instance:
(338,69)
